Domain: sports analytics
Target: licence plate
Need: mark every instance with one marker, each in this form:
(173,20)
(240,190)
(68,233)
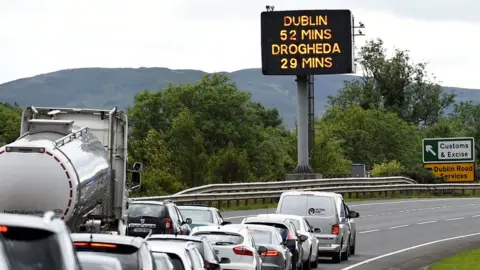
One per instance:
(147,230)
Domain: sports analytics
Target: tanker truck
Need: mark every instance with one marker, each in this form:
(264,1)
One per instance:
(72,162)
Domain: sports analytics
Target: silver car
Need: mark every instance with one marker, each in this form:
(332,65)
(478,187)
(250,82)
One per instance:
(326,211)
(162,261)
(278,256)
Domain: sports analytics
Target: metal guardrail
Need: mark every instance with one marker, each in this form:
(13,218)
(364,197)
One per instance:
(346,190)
(296,184)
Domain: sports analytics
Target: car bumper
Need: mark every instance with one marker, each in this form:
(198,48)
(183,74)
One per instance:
(328,249)
(237,266)
(270,266)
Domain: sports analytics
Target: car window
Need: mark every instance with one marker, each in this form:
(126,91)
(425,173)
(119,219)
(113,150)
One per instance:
(282,229)
(296,223)
(306,225)
(173,214)
(146,210)
(321,206)
(176,261)
(198,215)
(293,205)
(217,238)
(220,218)
(179,214)
(262,237)
(126,254)
(21,243)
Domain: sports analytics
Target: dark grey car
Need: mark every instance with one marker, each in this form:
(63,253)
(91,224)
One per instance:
(288,232)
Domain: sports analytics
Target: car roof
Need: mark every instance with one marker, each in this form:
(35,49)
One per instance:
(107,238)
(254,227)
(147,202)
(282,216)
(35,222)
(160,246)
(314,193)
(269,219)
(197,207)
(192,238)
(225,228)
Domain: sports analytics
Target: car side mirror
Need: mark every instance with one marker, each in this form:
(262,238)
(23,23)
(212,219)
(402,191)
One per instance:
(303,238)
(224,260)
(262,249)
(188,220)
(317,230)
(290,243)
(226,223)
(353,214)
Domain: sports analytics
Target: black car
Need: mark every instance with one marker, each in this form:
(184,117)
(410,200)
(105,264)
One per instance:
(132,252)
(151,217)
(209,255)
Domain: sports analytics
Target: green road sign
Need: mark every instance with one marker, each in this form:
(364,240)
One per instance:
(448,150)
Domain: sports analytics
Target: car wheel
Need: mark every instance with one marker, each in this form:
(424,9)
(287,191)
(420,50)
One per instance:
(352,248)
(294,261)
(314,264)
(346,254)
(306,265)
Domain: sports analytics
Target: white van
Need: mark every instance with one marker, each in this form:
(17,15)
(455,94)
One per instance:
(328,212)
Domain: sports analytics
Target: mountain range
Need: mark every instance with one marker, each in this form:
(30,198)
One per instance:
(110,87)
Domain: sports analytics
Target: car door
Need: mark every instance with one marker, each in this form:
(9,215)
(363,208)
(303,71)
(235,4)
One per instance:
(344,223)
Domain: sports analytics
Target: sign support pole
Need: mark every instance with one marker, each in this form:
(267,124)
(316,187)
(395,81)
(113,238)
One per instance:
(302,125)
(311,118)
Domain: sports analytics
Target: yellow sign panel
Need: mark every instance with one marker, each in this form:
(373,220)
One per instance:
(453,172)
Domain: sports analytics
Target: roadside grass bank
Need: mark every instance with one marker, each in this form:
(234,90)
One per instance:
(466,260)
(252,204)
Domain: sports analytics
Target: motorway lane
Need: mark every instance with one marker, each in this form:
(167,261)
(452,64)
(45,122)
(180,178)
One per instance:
(388,226)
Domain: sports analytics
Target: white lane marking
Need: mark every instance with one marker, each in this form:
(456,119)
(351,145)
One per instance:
(376,230)
(408,249)
(396,227)
(476,216)
(427,222)
(412,201)
(454,218)
(419,209)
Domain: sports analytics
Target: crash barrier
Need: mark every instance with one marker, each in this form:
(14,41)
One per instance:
(297,184)
(353,191)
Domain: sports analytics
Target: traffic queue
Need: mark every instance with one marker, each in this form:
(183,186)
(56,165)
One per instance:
(163,235)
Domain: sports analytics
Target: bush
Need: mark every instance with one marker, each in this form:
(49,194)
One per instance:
(391,168)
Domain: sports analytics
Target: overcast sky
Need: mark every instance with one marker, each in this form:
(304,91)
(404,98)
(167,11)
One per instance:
(41,36)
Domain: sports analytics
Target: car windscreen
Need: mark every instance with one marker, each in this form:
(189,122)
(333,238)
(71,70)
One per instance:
(282,229)
(126,254)
(146,210)
(176,261)
(261,237)
(197,215)
(31,248)
(222,238)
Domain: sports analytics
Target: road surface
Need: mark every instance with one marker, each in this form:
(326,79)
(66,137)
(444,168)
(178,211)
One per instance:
(404,234)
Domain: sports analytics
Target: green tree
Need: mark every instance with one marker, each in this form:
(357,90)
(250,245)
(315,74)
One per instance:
(10,118)
(372,136)
(395,84)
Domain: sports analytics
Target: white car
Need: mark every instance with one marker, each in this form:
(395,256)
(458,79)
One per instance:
(310,246)
(92,261)
(183,255)
(235,244)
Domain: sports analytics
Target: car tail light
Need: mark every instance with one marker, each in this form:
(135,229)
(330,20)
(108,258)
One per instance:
(168,225)
(335,229)
(206,264)
(242,251)
(290,236)
(270,253)
(86,244)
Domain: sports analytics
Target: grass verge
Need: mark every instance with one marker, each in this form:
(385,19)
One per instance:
(268,203)
(467,260)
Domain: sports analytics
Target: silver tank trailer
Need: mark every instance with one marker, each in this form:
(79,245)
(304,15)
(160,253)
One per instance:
(47,170)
